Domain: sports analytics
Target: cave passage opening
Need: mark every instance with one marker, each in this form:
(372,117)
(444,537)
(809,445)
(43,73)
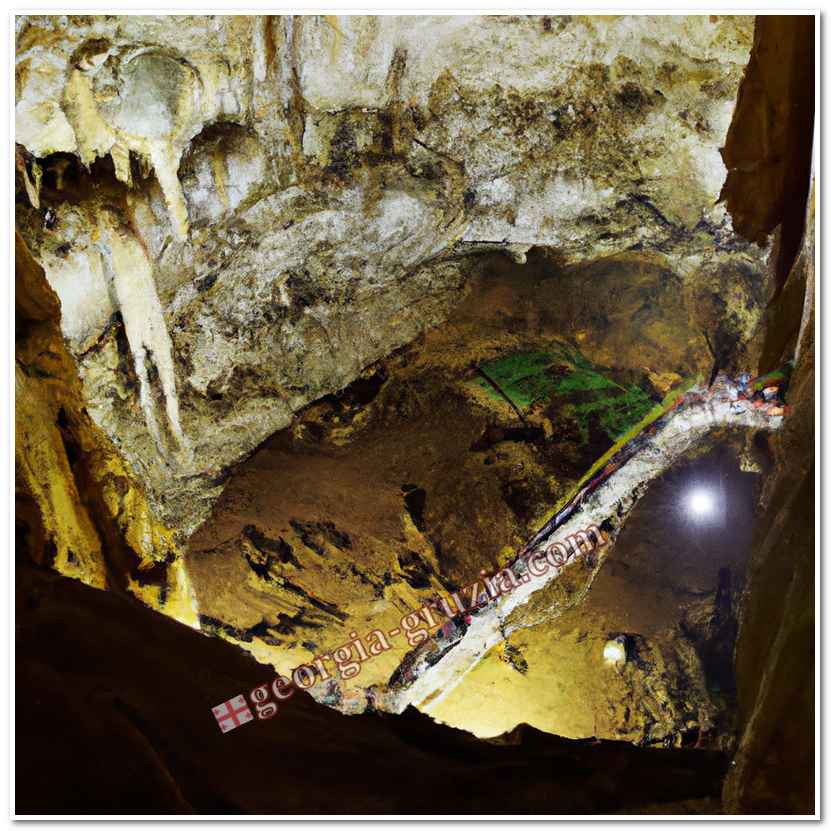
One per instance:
(427,470)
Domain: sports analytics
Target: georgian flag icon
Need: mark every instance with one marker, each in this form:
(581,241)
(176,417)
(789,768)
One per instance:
(233,713)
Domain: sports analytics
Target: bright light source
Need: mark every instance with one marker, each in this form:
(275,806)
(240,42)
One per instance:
(701,503)
(614,652)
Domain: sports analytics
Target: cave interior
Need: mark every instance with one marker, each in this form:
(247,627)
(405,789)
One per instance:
(321,321)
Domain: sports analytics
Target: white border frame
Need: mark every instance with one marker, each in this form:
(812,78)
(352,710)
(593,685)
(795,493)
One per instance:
(376,7)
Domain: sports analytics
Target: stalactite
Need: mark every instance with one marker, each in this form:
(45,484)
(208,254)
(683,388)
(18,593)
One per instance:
(146,329)
(165,161)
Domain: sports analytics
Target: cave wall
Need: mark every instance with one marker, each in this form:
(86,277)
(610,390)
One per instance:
(770,189)
(768,147)
(775,655)
(118,698)
(241,254)
(78,506)
(118,720)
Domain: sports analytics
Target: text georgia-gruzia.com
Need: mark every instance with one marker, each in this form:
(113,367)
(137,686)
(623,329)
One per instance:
(348,659)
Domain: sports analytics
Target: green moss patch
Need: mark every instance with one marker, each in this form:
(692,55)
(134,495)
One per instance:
(578,389)
(524,377)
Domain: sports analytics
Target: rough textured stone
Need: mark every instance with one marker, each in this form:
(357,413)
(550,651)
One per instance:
(145,741)
(78,507)
(775,655)
(315,182)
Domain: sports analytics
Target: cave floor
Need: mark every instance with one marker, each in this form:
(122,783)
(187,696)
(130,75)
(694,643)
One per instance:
(442,461)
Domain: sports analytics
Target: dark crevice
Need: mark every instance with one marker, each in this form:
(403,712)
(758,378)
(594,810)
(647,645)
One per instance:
(415,501)
(281,550)
(315,535)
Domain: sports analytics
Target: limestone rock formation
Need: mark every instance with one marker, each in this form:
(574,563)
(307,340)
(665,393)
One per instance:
(244,213)
(78,506)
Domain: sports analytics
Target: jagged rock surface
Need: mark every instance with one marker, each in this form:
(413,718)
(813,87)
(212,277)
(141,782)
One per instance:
(78,506)
(300,192)
(119,701)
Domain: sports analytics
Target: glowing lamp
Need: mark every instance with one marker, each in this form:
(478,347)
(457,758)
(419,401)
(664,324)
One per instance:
(700,504)
(614,652)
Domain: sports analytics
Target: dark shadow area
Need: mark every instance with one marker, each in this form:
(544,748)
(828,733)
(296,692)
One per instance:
(116,700)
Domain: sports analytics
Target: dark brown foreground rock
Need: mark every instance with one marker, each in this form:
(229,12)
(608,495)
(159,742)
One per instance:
(768,187)
(774,770)
(114,717)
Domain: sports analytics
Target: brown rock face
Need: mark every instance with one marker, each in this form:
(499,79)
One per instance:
(769,144)
(78,508)
(775,654)
(775,764)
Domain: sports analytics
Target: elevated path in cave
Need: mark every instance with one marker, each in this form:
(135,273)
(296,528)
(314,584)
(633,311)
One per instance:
(604,498)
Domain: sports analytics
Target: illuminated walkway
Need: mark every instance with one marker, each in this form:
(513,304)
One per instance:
(437,666)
